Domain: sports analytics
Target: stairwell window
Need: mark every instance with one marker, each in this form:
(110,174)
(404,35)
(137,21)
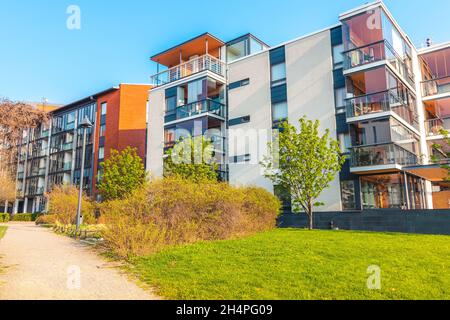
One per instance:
(101,153)
(104,108)
(278,72)
(280,111)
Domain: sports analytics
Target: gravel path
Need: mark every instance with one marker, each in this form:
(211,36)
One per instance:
(41,265)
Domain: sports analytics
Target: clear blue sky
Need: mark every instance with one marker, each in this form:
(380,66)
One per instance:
(40,57)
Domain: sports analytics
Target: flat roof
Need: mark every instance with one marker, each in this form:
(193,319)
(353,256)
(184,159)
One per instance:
(87,99)
(194,46)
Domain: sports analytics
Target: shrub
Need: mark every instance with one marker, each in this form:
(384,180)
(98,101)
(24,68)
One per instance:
(46,219)
(4,217)
(24,217)
(173,211)
(63,203)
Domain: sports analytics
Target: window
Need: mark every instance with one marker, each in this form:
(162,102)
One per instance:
(348,195)
(171,104)
(345,142)
(101,153)
(239,84)
(241,159)
(237,121)
(71,117)
(278,74)
(102,130)
(104,108)
(339,96)
(338,57)
(279,111)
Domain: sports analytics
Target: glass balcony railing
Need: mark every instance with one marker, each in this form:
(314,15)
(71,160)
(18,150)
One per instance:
(40,190)
(380,102)
(67,166)
(67,146)
(436,86)
(435,127)
(378,51)
(217,141)
(205,62)
(196,108)
(385,154)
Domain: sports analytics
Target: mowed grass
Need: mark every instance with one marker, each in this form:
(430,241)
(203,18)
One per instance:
(299,264)
(2,231)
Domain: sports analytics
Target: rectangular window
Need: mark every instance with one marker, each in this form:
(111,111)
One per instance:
(279,111)
(104,108)
(238,84)
(101,153)
(171,104)
(241,159)
(348,195)
(278,72)
(345,142)
(338,57)
(340,95)
(102,130)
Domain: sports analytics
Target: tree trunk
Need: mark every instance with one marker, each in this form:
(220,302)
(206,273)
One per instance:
(310,215)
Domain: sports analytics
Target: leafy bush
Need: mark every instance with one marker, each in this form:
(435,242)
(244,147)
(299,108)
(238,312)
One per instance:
(24,217)
(63,203)
(4,217)
(173,211)
(46,219)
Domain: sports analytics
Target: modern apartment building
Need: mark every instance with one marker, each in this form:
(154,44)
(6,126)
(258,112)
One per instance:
(381,97)
(51,154)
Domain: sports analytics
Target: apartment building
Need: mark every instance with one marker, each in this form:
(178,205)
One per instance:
(385,101)
(51,153)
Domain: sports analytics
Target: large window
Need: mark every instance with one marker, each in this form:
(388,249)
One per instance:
(278,74)
(383,192)
(280,111)
(370,132)
(348,195)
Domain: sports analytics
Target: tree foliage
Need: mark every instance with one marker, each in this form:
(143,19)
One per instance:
(192,159)
(442,154)
(7,187)
(303,162)
(15,117)
(123,173)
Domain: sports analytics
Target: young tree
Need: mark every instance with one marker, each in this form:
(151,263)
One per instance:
(192,159)
(123,172)
(304,163)
(442,153)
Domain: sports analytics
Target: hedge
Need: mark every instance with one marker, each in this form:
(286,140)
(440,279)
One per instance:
(4,217)
(25,217)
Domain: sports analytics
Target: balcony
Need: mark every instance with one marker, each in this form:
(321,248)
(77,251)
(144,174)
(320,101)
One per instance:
(435,127)
(436,86)
(205,62)
(380,102)
(40,191)
(380,155)
(196,108)
(376,52)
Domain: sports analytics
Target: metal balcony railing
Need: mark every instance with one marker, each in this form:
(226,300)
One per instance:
(374,52)
(205,62)
(435,127)
(196,108)
(436,86)
(381,102)
(384,154)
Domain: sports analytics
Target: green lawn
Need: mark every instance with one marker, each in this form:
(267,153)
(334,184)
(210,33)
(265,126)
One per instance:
(2,231)
(299,264)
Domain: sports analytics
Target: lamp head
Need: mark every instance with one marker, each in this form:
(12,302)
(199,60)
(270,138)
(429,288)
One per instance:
(85,123)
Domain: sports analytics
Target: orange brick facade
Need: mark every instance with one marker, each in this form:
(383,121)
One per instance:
(125,121)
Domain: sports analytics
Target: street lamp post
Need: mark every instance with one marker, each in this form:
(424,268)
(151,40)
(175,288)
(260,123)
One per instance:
(85,124)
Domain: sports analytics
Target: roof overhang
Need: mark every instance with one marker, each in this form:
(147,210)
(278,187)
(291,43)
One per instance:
(195,46)
(431,172)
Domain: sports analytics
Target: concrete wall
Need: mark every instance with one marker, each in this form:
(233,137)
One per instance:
(155,132)
(311,93)
(413,221)
(251,100)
